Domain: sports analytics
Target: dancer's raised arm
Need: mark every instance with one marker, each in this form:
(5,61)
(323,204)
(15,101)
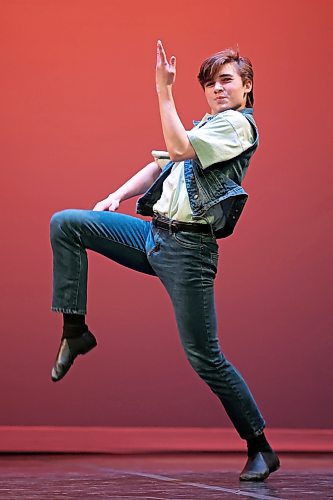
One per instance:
(176,140)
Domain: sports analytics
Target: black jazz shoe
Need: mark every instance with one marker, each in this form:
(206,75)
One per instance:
(259,466)
(68,350)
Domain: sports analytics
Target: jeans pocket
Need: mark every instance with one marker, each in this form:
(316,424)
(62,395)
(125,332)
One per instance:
(188,240)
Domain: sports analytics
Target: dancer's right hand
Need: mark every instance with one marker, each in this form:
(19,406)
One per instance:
(111,203)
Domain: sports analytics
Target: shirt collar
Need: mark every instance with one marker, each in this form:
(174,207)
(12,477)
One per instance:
(207,117)
(204,119)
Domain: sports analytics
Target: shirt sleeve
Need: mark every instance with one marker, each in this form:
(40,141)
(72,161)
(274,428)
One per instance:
(163,161)
(225,136)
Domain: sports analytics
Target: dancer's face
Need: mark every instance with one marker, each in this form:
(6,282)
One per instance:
(226,90)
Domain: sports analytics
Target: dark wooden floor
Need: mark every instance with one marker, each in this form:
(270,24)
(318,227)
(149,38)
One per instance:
(160,477)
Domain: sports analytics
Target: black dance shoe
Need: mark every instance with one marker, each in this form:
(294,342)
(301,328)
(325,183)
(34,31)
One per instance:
(259,466)
(68,350)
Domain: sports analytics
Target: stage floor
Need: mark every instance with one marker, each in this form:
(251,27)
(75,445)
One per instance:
(160,477)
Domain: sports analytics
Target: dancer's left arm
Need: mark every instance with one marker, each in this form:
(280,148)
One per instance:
(175,136)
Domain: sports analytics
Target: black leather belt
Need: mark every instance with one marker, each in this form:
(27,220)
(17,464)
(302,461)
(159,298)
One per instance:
(174,225)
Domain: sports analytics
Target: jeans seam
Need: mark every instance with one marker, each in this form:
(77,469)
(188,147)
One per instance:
(204,301)
(78,278)
(80,262)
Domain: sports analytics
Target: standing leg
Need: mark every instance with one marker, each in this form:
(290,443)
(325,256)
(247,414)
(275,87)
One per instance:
(186,263)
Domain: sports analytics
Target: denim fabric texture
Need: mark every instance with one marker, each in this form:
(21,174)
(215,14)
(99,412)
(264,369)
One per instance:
(186,264)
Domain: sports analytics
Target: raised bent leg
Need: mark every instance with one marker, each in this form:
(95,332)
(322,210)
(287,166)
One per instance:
(119,237)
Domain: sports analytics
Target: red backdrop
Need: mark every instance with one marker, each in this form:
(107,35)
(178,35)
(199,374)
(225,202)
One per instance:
(80,116)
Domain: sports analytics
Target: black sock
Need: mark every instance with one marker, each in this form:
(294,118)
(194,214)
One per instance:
(256,444)
(74,326)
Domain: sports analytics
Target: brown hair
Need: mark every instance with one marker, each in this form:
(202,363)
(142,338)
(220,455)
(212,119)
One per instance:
(212,64)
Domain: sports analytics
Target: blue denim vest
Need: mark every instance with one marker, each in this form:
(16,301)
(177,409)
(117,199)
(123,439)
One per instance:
(219,183)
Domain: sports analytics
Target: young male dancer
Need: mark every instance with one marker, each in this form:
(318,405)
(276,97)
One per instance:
(193,194)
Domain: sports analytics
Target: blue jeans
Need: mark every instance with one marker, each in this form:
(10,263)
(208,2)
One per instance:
(186,263)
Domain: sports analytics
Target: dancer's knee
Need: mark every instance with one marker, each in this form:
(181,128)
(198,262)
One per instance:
(64,220)
(205,361)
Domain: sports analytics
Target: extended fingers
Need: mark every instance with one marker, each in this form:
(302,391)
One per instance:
(161,56)
(161,52)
